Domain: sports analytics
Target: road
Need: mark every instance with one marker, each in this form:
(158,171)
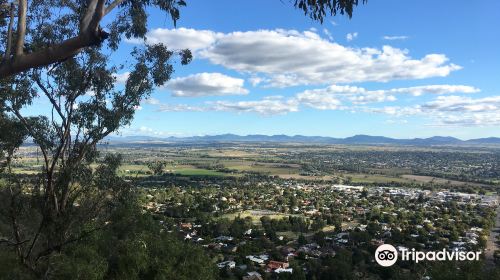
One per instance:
(491,244)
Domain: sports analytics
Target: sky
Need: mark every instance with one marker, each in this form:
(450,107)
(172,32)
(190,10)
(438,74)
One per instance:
(401,69)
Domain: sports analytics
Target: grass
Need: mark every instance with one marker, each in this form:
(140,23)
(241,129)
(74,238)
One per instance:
(198,172)
(375,178)
(428,179)
(253,214)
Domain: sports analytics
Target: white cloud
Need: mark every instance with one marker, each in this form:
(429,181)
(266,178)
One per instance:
(455,111)
(180,108)
(394,110)
(206,84)
(121,78)
(392,38)
(351,36)
(464,104)
(328,34)
(152,101)
(371,97)
(435,89)
(396,121)
(289,58)
(145,131)
(181,38)
(334,97)
(271,105)
(284,58)
(318,100)
(481,120)
(328,98)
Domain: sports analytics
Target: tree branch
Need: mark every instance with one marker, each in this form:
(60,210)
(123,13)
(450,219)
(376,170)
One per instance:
(51,99)
(96,18)
(30,130)
(88,36)
(112,6)
(49,55)
(88,15)
(8,49)
(69,241)
(21,26)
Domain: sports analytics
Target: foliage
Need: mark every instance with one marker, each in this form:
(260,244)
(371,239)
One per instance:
(132,247)
(69,199)
(319,9)
(48,32)
(157,167)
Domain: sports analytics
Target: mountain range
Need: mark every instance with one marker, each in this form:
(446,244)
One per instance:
(357,139)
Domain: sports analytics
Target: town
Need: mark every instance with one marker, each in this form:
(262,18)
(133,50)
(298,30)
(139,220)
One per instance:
(275,228)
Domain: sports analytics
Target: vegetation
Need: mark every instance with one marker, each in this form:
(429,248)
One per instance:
(40,40)
(70,210)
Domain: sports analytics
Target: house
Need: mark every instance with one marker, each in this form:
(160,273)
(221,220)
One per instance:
(224,238)
(228,264)
(186,226)
(273,265)
(360,210)
(254,275)
(281,270)
(255,259)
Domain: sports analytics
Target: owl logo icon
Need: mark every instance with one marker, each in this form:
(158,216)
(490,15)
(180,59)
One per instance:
(386,255)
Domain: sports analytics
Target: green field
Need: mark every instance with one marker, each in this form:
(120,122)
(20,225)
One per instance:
(255,215)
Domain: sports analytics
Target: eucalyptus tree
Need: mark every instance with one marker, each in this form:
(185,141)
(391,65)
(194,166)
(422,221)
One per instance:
(58,51)
(69,199)
(74,25)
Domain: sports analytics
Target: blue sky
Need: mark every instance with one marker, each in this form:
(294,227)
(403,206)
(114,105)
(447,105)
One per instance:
(398,68)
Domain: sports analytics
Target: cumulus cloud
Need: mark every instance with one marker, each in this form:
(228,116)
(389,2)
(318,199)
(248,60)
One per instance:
(397,111)
(291,58)
(451,111)
(469,120)
(392,38)
(464,104)
(318,100)
(206,84)
(396,121)
(181,38)
(436,89)
(163,107)
(328,98)
(271,105)
(288,57)
(371,97)
(351,36)
(335,97)
(145,131)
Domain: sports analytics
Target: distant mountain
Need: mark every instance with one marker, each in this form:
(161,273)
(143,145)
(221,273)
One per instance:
(367,139)
(353,140)
(489,140)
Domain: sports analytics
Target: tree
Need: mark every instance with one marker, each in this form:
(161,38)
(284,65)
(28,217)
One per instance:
(301,240)
(76,24)
(69,199)
(56,49)
(156,167)
(132,247)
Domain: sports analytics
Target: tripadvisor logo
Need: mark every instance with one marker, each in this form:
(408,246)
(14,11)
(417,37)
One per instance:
(387,255)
